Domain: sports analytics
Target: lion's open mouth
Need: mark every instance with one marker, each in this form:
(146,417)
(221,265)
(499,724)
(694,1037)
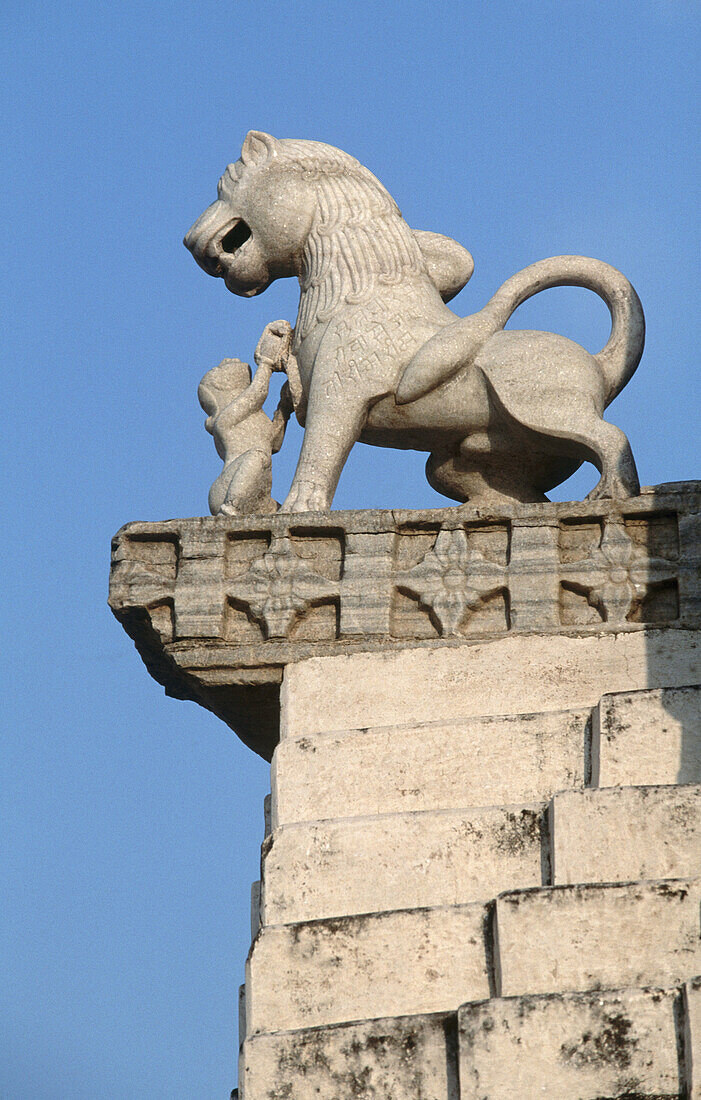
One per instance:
(216,237)
(236,236)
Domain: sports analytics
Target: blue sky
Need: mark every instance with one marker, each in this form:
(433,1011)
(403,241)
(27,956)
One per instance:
(132,822)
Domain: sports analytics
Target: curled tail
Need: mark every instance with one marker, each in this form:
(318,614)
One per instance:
(620,356)
(455,345)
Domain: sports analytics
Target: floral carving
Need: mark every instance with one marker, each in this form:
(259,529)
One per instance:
(453,579)
(615,579)
(279,587)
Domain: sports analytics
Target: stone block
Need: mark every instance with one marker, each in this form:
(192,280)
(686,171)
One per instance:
(573,1046)
(475,762)
(401,861)
(509,675)
(360,967)
(649,736)
(242,1013)
(405,1058)
(255,908)
(568,938)
(621,834)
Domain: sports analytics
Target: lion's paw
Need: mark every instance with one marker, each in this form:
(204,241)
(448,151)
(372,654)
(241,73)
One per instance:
(306,497)
(614,487)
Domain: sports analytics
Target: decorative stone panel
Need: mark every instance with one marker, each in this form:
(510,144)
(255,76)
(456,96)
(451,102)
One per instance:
(618,569)
(460,582)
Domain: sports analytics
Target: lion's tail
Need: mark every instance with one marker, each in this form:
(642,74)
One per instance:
(458,343)
(620,356)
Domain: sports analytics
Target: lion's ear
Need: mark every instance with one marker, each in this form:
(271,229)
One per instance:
(257,148)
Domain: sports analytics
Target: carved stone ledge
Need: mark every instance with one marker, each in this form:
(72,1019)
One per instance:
(217,607)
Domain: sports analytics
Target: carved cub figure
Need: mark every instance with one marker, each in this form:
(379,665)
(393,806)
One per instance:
(245,437)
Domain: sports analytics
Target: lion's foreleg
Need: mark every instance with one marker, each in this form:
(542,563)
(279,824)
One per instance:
(333,425)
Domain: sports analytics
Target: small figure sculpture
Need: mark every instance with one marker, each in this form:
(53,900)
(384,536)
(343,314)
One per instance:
(245,437)
(505,415)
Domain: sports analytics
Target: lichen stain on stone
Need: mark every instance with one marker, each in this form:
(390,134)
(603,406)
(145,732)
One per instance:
(302,1056)
(623,1092)
(614,726)
(684,815)
(668,890)
(468,830)
(528,1005)
(519,832)
(368,1067)
(611,1045)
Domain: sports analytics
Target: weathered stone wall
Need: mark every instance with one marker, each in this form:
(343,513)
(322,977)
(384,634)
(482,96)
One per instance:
(517,932)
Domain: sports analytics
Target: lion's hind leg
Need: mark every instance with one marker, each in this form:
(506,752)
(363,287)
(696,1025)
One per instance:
(576,430)
(553,389)
(613,457)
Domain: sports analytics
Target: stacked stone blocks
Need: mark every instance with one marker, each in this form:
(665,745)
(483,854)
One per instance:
(538,948)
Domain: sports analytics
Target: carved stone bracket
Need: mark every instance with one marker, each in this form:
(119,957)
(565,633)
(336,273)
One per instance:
(217,607)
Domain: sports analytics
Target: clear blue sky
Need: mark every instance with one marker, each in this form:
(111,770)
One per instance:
(132,822)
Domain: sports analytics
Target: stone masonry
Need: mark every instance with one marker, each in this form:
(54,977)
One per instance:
(481,874)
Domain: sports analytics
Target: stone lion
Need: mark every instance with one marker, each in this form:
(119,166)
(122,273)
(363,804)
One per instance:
(381,357)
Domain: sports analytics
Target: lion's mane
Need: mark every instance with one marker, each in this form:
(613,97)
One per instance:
(358,237)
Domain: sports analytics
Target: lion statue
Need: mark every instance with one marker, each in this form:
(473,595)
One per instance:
(380,356)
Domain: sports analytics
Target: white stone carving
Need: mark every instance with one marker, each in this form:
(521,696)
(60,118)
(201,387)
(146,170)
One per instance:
(381,357)
(617,577)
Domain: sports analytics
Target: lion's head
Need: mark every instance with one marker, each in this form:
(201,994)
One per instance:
(290,207)
(254,231)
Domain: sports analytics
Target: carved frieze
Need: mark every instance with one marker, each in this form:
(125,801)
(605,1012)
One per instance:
(280,588)
(620,578)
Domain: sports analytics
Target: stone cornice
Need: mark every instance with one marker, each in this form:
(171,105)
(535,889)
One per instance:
(218,607)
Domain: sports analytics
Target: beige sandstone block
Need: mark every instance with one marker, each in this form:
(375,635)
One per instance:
(401,861)
(574,1046)
(567,938)
(476,762)
(621,834)
(648,736)
(357,968)
(405,1058)
(510,675)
